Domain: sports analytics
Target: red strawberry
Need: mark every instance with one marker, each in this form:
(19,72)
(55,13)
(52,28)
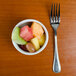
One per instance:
(26,33)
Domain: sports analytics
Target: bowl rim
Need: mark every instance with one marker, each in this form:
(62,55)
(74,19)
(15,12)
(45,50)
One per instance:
(41,49)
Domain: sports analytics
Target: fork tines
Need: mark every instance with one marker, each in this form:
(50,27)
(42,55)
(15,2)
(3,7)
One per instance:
(55,14)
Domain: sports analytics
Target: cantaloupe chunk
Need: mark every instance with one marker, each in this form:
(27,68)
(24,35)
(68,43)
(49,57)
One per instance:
(37,30)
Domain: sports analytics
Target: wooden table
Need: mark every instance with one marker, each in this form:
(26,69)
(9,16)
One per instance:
(13,63)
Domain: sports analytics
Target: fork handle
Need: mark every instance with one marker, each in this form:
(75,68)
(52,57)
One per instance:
(56,62)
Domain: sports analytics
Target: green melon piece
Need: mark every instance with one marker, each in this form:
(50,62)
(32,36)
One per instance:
(16,37)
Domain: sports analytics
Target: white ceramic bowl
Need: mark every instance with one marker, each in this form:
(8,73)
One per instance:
(24,22)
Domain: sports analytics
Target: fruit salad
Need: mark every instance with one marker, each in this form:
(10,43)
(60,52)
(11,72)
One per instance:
(29,38)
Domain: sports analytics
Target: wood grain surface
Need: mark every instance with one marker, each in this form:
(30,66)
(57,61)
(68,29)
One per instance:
(13,63)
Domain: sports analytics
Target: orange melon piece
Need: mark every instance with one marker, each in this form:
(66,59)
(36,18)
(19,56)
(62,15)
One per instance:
(37,30)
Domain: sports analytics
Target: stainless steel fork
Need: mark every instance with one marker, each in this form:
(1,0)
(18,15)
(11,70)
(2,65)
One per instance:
(55,21)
